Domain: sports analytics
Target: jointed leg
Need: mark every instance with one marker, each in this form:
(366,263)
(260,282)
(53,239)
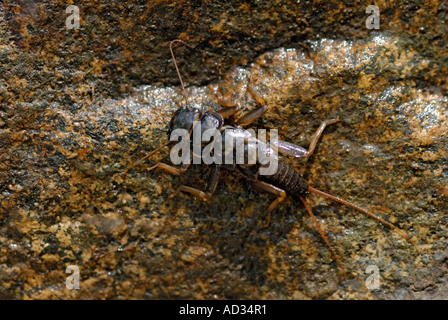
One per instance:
(256,113)
(257,96)
(310,212)
(290,149)
(269,188)
(229,108)
(162,165)
(228,112)
(169,168)
(211,186)
(401,232)
(146,157)
(317,135)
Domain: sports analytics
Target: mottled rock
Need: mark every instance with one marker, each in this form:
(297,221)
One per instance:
(77,107)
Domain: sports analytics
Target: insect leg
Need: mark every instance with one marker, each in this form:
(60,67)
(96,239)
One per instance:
(257,96)
(290,149)
(398,230)
(310,212)
(317,135)
(256,113)
(229,108)
(169,168)
(269,188)
(145,157)
(211,186)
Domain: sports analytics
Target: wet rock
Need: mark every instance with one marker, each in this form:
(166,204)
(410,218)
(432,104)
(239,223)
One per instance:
(77,107)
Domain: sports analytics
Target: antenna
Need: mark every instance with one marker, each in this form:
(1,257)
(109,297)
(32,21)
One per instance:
(177,69)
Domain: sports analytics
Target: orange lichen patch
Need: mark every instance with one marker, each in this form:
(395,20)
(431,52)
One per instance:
(191,254)
(83,152)
(365,80)
(432,156)
(443,190)
(28,222)
(77,110)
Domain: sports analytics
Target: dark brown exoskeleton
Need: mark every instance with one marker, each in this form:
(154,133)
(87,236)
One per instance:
(281,183)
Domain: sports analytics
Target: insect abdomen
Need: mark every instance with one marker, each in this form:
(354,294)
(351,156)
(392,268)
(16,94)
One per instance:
(287,179)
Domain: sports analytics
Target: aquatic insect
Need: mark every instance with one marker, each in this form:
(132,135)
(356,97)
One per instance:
(282,182)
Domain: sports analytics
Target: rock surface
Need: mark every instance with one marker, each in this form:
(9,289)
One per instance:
(77,107)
